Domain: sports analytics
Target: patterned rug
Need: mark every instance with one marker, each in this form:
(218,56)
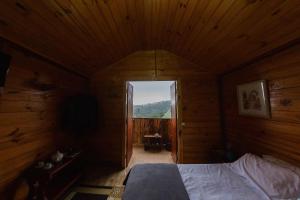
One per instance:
(85,192)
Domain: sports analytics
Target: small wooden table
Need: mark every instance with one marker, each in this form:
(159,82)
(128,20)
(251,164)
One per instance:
(53,183)
(152,142)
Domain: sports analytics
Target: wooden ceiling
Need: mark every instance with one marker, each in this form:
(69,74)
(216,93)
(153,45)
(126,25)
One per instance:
(86,35)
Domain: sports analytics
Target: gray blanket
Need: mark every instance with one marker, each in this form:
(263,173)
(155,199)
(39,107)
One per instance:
(155,182)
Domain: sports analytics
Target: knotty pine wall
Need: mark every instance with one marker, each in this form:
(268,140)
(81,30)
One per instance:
(28,116)
(199,106)
(280,135)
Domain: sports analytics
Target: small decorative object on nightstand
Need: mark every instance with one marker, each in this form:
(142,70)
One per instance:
(49,180)
(57,157)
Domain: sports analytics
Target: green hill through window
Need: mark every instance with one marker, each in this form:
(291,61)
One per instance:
(153,110)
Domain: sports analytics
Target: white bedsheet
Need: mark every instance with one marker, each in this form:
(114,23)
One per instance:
(217,182)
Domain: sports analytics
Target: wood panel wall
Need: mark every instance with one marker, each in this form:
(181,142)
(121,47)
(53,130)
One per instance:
(29,127)
(148,126)
(279,135)
(198,104)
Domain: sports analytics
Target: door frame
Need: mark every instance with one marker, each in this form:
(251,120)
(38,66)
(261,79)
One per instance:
(178,122)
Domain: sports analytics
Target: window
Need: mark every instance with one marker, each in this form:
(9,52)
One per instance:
(151,99)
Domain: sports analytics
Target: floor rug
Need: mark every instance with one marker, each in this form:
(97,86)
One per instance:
(96,193)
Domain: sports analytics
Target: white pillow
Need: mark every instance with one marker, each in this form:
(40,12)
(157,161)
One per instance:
(282,163)
(276,181)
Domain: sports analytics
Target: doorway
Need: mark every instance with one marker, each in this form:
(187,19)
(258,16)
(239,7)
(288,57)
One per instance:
(151,125)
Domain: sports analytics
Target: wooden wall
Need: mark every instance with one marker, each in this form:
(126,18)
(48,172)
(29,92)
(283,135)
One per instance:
(148,126)
(280,135)
(199,107)
(29,116)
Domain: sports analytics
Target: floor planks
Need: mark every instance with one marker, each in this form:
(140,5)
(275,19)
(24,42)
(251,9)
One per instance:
(110,176)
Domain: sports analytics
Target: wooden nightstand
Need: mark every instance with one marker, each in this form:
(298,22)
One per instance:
(53,183)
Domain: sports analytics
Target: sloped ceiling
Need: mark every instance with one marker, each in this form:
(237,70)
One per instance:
(87,35)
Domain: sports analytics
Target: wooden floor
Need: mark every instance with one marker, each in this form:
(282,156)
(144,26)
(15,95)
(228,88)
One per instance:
(108,176)
(140,156)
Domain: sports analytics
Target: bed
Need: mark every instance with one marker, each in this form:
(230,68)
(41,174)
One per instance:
(249,178)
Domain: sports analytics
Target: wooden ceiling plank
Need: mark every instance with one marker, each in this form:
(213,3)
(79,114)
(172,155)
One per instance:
(195,25)
(99,27)
(92,30)
(183,8)
(118,13)
(206,19)
(31,40)
(61,34)
(191,23)
(290,11)
(163,7)
(153,24)
(87,35)
(267,31)
(148,22)
(179,8)
(131,18)
(172,7)
(156,24)
(238,13)
(107,15)
(86,17)
(53,32)
(211,26)
(273,43)
(184,25)
(235,41)
(140,22)
(37,54)
(267,26)
(235,31)
(71,24)
(224,24)
(34,27)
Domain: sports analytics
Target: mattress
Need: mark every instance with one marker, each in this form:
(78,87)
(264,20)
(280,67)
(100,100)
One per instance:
(217,181)
(189,181)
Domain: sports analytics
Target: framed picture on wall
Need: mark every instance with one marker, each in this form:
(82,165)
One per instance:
(253,99)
